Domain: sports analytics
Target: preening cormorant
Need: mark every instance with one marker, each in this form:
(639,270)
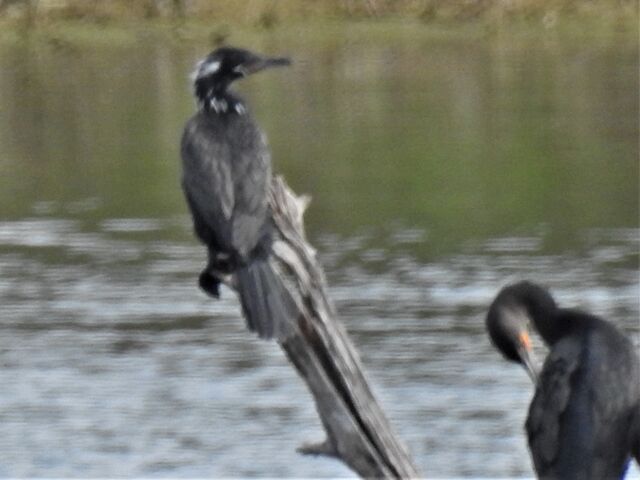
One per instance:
(584,419)
(226,175)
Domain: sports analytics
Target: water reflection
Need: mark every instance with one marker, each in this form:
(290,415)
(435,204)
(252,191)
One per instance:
(440,171)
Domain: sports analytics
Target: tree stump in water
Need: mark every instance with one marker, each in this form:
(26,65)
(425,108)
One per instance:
(358,433)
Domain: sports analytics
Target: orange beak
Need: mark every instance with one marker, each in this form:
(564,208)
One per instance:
(526,355)
(525,340)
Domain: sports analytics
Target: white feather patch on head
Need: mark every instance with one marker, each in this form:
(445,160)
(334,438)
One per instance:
(209,68)
(204,68)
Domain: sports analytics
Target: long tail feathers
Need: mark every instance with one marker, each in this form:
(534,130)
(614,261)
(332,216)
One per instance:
(267,305)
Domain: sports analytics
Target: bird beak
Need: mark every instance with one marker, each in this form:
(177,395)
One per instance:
(526,355)
(260,63)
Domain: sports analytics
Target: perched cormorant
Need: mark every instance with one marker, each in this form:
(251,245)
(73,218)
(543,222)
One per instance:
(226,174)
(584,418)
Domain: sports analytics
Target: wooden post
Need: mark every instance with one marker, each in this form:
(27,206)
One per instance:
(358,433)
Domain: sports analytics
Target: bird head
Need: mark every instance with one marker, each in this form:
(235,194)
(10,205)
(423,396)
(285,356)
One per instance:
(220,68)
(508,327)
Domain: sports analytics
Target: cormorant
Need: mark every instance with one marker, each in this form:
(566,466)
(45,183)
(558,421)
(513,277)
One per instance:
(226,175)
(584,419)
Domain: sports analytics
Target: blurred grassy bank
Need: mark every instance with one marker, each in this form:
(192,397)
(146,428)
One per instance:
(270,14)
(77,23)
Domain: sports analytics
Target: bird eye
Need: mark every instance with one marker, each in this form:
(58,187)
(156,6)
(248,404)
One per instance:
(239,69)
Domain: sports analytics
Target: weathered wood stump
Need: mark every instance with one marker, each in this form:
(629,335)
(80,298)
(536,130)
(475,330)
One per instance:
(358,433)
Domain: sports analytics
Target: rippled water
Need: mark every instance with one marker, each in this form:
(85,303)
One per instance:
(112,363)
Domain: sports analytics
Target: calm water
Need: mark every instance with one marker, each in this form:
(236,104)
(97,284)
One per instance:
(441,168)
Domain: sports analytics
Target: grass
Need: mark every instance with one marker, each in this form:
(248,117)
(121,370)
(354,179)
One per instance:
(110,23)
(268,14)
(75,32)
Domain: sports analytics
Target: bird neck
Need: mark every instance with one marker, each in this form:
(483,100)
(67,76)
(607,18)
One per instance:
(221,101)
(571,322)
(541,308)
(551,322)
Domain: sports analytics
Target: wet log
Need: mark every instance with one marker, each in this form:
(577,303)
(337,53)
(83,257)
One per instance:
(358,432)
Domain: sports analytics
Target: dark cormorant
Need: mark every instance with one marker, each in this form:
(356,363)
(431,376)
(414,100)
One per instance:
(508,327)
(226,174)
(584,418)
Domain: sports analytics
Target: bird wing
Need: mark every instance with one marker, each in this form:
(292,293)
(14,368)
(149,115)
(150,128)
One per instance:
(615,373)
(550,403)
(581,415)
(253,170)
(207,180)
(634,433)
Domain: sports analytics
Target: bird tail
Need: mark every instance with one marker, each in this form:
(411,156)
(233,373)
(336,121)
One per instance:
(267,304)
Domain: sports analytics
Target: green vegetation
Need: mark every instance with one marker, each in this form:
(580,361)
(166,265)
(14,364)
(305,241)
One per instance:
(81,23)
(271,13)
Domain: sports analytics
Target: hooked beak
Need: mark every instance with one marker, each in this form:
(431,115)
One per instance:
(526,356)
(260,63)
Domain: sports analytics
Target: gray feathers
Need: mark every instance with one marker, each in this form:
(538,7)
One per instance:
(550,403)
(226,171)
(264,298)
(583,410)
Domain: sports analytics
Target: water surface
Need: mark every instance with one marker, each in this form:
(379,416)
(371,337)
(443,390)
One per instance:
(441,168)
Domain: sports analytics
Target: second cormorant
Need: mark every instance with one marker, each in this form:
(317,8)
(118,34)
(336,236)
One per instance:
(584,419)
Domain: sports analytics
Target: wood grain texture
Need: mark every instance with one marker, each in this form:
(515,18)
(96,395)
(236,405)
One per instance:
(317,345)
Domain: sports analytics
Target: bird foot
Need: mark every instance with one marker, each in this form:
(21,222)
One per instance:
(209,283)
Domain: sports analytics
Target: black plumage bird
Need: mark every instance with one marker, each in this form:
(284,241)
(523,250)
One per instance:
(583,421)
(226,174)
